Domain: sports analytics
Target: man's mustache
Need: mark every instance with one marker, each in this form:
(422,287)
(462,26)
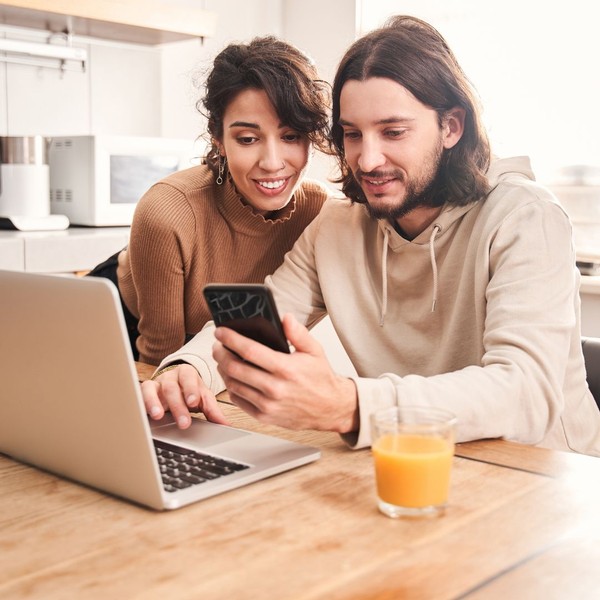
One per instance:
(396,174)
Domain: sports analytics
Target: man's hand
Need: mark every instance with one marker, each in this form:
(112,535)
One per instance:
(180,390)
(297,391)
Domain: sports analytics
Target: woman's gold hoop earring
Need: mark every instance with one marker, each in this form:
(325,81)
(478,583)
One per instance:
(222,165)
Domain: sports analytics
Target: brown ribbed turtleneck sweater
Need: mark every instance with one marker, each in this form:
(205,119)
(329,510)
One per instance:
(186,232)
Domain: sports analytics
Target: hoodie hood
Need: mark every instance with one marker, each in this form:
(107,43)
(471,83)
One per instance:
(504,169)
(507,169)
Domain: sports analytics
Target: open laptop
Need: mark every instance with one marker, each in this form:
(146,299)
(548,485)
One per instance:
(70,403)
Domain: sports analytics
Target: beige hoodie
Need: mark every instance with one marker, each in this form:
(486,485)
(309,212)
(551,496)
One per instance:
(479,314)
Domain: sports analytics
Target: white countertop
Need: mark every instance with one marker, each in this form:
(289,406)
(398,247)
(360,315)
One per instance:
(590,284)
(82,248)
(66,251)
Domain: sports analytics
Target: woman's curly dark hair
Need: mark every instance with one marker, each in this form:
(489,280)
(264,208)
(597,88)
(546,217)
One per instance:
(288,77)
(414,54)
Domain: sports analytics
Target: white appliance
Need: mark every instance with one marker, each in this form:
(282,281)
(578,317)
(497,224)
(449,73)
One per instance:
(24,185)
(582,204)
(97,180)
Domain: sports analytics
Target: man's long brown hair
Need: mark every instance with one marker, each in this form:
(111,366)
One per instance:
(414,54)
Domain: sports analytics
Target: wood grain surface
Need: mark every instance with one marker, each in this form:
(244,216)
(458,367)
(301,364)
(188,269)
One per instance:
(521,523)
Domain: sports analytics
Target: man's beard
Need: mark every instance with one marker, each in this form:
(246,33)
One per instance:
(420,192)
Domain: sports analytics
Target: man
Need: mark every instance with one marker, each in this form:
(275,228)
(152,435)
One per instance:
(450,281)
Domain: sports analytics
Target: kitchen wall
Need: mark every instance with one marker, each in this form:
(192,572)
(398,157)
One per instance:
(127,89)
(131,89)
(105,98)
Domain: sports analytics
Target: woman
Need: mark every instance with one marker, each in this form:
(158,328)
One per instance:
(233,218)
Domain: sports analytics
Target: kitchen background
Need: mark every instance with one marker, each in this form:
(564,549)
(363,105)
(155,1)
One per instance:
(532,61)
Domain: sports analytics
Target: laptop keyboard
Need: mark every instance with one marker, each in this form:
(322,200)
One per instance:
(182,468)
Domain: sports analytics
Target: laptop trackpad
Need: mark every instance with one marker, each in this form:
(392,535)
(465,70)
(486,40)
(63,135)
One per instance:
(201,433)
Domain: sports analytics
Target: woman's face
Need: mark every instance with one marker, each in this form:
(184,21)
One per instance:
(265,157)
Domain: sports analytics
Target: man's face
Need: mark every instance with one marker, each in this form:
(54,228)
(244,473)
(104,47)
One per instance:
(393,143)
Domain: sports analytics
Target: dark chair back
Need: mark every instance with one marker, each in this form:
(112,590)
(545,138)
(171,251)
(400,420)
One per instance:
(591,354)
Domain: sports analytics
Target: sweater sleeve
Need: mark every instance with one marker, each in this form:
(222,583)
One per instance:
(292,294)
(198,351)
(162,238)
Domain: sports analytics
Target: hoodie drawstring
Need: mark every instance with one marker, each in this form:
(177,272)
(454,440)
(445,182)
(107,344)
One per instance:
(384,281)
(384,277)
(434,232)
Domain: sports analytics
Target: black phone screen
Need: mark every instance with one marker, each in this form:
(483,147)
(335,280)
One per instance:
(248,309)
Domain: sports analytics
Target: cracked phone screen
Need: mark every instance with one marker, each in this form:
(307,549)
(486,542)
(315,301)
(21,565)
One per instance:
(249,310)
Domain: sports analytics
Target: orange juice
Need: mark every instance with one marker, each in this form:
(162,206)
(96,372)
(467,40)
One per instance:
(413,471)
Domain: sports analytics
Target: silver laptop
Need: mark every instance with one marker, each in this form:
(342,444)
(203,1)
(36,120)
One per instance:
(70,403)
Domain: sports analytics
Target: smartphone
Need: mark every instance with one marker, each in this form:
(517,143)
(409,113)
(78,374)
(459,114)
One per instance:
(248,309)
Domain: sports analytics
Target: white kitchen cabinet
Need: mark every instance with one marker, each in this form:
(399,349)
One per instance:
(12,253)
(138,21)
(72,250)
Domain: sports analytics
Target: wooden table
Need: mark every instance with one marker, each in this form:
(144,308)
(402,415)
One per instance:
(522,523)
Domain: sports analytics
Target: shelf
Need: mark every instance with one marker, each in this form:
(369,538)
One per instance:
(148,22)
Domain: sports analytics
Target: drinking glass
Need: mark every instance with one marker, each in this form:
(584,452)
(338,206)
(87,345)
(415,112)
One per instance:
(412,449)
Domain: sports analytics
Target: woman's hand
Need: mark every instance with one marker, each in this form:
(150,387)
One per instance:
(180,390)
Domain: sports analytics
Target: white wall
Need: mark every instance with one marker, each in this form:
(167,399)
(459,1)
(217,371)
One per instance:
(185,64)
(323,30)
(534,64)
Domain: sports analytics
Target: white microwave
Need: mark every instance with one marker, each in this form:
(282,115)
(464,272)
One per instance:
(97,180)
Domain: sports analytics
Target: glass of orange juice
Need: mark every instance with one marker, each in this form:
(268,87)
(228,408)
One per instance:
(412,448)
